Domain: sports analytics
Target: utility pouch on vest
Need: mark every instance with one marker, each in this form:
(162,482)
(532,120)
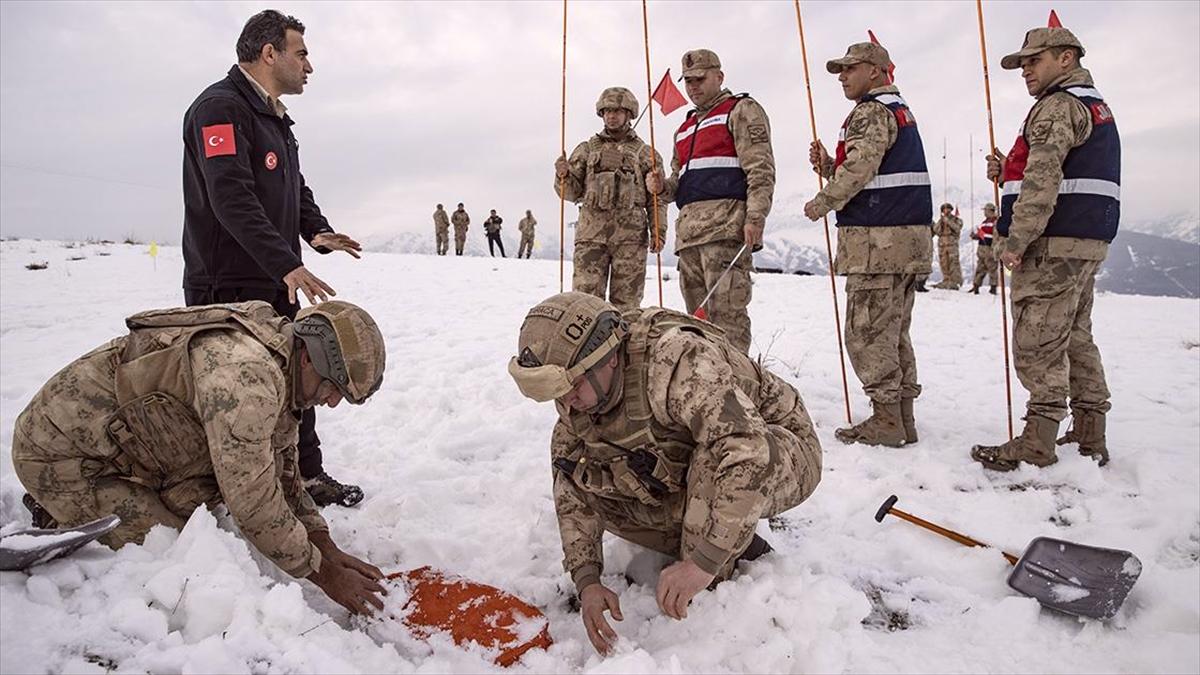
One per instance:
(159,439)
(602,188)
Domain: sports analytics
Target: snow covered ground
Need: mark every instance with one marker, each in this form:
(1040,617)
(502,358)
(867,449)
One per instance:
(454,464)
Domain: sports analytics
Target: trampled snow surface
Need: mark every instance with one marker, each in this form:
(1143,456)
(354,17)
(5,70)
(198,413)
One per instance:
(454,465)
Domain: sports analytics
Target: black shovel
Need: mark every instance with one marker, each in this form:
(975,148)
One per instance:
(1065,576)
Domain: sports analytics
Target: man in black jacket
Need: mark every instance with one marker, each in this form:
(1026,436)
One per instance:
(492,227)
(246,204)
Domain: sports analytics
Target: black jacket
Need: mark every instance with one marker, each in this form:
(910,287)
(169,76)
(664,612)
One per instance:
(245,202)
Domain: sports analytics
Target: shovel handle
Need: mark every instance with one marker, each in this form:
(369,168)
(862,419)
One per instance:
(889,507)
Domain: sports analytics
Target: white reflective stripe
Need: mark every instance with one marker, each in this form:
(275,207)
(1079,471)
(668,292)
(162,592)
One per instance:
(685,133)
(891,180)
(1084,91)
(712,163)
(841,134)
(888,99)
(1076,186)
(719,119)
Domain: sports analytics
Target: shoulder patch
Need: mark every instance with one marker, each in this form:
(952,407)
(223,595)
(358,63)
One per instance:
(218,140)
(1039,132)
(759,134)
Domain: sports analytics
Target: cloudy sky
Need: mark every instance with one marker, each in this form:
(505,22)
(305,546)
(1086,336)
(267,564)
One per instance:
(415,103)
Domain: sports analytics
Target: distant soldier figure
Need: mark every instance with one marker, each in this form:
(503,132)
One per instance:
(723,181)
(201,406)
(985,259)
(461,222)
(1060,210)
(441,228)
(526,226)
(667,436)
(879,185)
(605,175)
(947,229)
(491,227)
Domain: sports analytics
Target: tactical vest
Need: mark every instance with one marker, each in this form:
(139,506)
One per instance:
(161,440)
(987,231)
(615,174)
(628,455)
(709,167)
(899,194)
(1089,197)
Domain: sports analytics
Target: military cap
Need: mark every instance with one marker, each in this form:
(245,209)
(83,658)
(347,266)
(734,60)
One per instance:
(1039,40)
(860,52)
(697,61)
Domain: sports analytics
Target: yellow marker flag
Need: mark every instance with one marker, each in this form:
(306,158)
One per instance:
(153,249)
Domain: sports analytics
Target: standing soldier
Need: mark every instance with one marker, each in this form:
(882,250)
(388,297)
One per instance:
(879,185)
(441,228)
(948,228)
(491,227)
(723,181)
(985,260)
(606,175)
(526,226)
(461,222)
(1059,212)
(667,436)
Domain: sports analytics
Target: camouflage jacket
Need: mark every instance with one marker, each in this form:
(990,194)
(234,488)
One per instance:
(606,176)
(527,225)
(1056,124)
(707,221)
(441,221)
(948,228)
(461,220)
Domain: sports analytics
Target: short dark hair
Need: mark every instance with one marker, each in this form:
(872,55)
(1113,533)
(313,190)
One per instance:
(266,27)
(1057,51)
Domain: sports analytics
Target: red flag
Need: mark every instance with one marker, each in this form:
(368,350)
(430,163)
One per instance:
(1053,22)
(667,95)
(891,67)
(700,314)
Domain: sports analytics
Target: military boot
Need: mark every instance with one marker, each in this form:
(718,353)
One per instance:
(992,290)
(921,287)
(1088,430)
(910,422)
(325,490)
(975,289)
(42,519)
(883,427)
(1035,445)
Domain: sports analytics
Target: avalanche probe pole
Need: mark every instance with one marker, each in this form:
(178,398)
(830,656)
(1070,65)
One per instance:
(653,153)
(562,147)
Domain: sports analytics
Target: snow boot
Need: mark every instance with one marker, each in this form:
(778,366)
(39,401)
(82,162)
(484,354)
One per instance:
(921,287)
(42,519)
(1035,445)
(1088,430)
(325,490)
(974,290)
(910,422)
(992,291)
(883,427)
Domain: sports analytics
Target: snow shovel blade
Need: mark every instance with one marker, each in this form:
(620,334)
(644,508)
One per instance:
(1077,579)
(25,548)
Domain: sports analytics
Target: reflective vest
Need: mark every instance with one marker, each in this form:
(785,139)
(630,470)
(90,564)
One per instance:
(987,232)
(1089,197)
(899,194)
(708,163)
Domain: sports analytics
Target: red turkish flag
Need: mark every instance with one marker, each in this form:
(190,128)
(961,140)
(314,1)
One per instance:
(1053,22)
(892,67)
(218,140)
(667,95)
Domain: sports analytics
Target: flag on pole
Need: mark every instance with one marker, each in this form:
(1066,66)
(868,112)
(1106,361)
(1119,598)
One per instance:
(667,95)
(154,254)
(891,67)
(1053,22)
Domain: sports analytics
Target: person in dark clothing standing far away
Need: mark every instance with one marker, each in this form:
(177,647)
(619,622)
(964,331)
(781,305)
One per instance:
(492,227)
(246,204)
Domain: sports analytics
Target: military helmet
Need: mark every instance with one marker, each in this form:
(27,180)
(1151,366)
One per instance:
(562,338)
(617,97)
(989,207)
(345,346)
(947,206)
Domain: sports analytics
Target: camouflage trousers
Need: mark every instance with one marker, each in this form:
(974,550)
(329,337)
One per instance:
(443,241)
(791,477)
(985,266)
(460,240)
(526,247)
(1053,351)
(878,316)
(700,267)
(949,264)
(618,268)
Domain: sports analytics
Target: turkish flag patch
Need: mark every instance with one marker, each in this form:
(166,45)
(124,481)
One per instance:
(218,140)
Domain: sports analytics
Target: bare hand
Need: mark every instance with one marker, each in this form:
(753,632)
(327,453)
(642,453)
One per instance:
(754,236)
(337,242)
(656,244)
(593,602)
(818,157)
(348,581)
(654,182)
(560,166)
(812,211)
(309,283)
(1010,260)
(677,585)
(995,164)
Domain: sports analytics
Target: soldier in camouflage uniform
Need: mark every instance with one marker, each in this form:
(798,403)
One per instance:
(879,185)
(441,229)
(667,436)
(947,229)
(723,181)
(461,221)
(526,227)
(201,406)
(1059,211)
(605,175)
(985,260)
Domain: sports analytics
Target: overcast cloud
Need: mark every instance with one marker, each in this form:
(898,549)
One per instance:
(417,103)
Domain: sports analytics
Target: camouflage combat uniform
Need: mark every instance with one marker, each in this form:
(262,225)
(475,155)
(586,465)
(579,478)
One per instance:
(947,229)
(152,425)
(441,228)
(985,259)
(526,227)
(461,220)
(606,176)
(697,444)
